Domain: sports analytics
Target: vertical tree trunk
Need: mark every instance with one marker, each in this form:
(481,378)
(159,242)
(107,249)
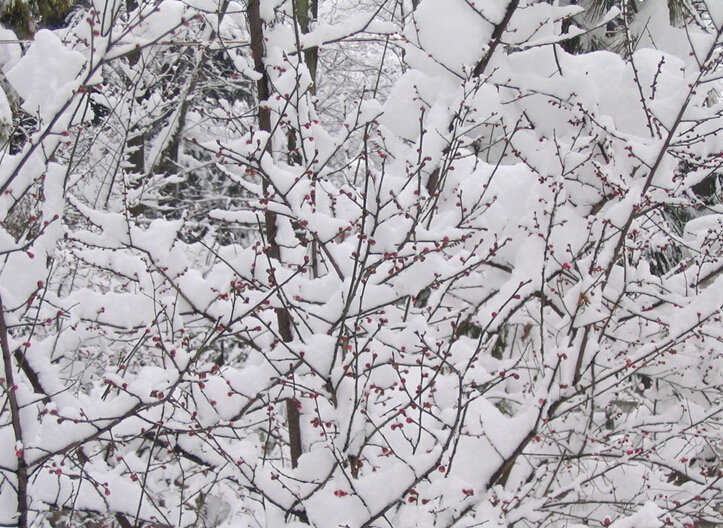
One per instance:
(136,139)
(136,157)
(256,30)
(305,12)
(22,470)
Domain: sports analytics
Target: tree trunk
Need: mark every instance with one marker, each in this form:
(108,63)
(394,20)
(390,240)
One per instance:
(256,29)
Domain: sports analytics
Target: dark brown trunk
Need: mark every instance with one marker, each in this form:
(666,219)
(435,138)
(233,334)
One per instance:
(22,469)
(256,31)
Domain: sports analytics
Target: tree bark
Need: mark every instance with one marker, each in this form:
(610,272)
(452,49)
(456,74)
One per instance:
(22,469)
(256,30)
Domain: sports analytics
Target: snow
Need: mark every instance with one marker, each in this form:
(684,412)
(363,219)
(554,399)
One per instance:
(652,24)
(715,10)
(46,74)
(406,100)
(10,53)
(160,20)
(326,33)
(647,517)
(538,24)
(448,36)
(450,345)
